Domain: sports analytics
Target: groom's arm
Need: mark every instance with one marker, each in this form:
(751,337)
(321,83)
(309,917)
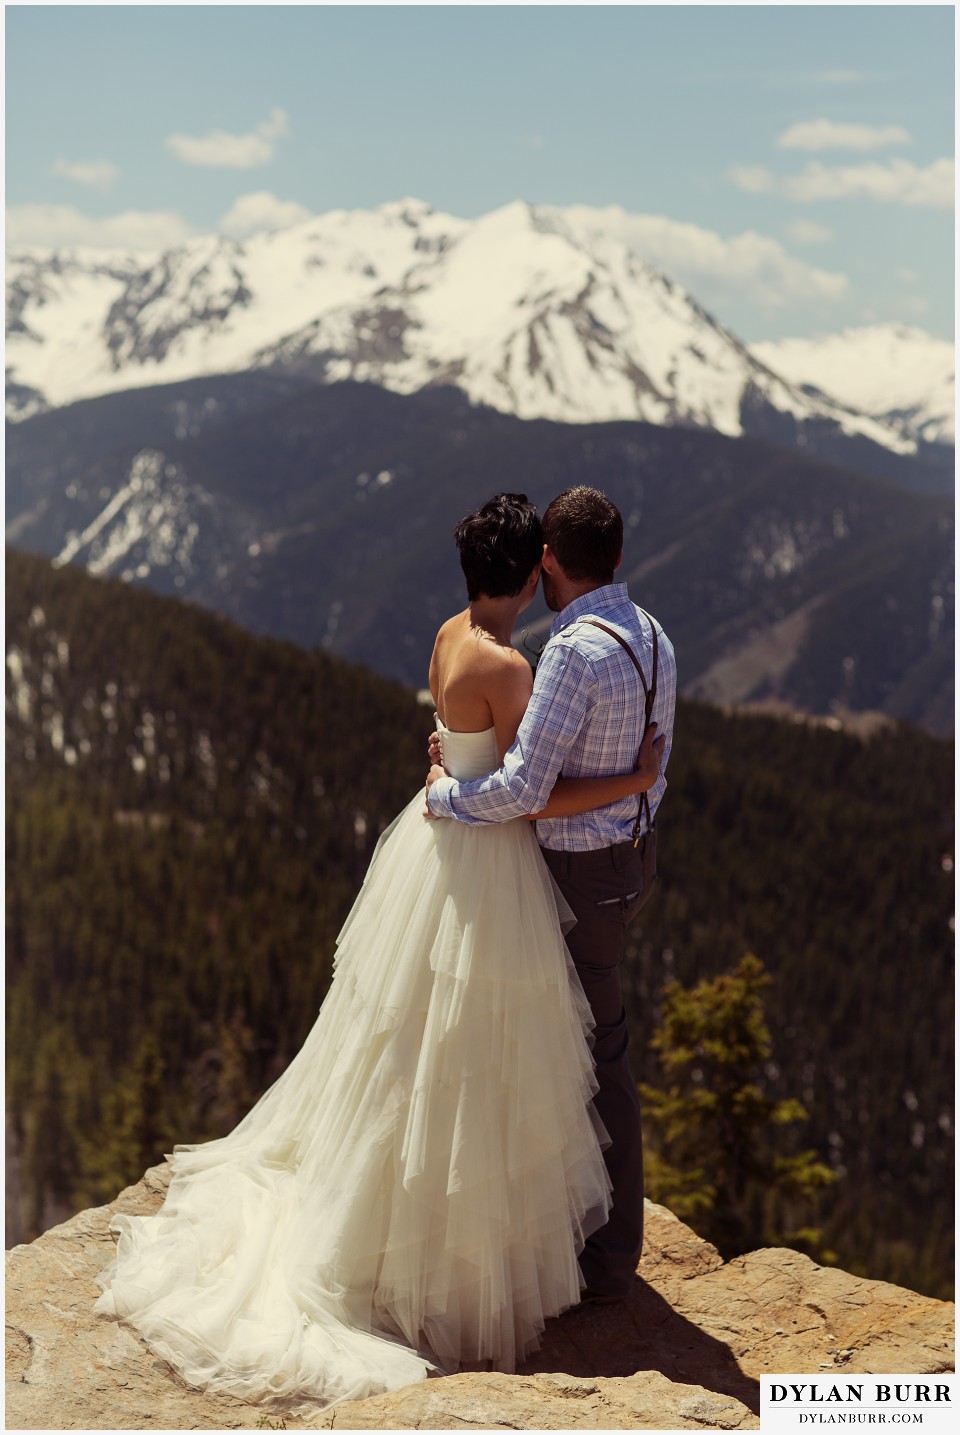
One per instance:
(563,691)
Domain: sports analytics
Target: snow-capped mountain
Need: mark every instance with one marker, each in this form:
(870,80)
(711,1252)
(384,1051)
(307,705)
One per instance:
(535,311)
(67,297)
(895,372)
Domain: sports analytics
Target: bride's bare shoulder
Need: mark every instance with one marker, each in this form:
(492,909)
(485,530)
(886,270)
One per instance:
(505,668)
(450,630)
(510,658)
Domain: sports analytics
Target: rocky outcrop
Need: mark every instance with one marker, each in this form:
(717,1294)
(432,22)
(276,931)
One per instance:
(684,1352)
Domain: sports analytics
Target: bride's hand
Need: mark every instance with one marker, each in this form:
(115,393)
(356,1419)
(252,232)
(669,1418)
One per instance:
(649,758)
(434,750)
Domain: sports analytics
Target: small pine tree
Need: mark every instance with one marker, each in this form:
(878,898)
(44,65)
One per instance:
(221,1082)
(134,1130)
(49,1156)
(713,1156)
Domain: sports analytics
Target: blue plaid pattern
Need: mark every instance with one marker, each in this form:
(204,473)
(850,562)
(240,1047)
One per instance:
(585,719)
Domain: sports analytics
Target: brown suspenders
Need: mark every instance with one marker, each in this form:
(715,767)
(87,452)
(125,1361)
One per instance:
(650,693)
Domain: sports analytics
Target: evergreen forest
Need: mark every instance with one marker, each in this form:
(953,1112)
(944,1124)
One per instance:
(191,809)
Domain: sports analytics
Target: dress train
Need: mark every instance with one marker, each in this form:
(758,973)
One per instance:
(414,1190)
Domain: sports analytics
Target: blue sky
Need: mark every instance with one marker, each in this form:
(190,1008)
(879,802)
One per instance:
(795,161)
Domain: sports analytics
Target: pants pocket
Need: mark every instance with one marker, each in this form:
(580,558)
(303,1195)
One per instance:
(623,902)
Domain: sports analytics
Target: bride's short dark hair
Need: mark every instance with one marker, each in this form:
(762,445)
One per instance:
(500,545)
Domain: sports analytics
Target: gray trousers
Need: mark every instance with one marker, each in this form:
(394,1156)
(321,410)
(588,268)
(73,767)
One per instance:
(606,888)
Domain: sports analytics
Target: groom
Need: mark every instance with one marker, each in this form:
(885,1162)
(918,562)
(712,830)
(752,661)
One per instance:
(586,718)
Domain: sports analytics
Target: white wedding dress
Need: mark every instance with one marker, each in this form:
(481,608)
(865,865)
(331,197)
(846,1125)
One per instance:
(413,1191)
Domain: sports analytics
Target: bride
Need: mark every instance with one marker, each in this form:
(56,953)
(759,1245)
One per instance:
(412,1193)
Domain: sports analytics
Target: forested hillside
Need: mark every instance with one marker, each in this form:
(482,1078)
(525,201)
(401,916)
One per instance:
(190,813)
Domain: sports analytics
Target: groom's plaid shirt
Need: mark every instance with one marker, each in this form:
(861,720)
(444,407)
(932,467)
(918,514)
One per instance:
(585,719)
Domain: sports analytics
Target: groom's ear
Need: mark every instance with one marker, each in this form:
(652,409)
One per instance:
(549,562)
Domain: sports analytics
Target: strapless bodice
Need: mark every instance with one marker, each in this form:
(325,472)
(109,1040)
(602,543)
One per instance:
(468,754)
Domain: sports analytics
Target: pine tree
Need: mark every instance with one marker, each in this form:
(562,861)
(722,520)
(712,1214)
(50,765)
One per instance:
(49,1155)
(134,1132)
(714,1158)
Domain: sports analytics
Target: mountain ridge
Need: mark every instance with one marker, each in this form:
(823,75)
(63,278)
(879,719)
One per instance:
(530,309)
(895,372)
(226,490)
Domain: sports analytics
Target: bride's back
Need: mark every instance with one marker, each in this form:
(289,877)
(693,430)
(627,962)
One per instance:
(477,678)
(474,677)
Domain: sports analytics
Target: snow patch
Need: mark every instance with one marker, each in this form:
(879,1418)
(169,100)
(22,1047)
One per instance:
(20,694)
(154,512)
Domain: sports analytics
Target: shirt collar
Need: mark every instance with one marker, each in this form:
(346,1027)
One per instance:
(606,597)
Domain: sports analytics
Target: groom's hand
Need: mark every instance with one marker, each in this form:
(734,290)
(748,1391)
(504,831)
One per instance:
(650,757)
(435,772)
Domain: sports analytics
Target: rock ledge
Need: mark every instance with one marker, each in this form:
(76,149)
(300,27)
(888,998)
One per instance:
(683,1353)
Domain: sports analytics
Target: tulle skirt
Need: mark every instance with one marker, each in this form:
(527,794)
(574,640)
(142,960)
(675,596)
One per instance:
(414,1190)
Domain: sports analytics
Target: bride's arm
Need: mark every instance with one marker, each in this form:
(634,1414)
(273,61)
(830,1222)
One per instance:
(572,795)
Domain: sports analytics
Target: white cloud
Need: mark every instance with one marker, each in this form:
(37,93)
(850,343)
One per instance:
(61,226)
(896,182)
(805,231)
(750,266)
(95,174)
(828,134)
(908,276)
(839,77)
(791,79)
(219,150)
(753,178)
(253,213)
(884,313)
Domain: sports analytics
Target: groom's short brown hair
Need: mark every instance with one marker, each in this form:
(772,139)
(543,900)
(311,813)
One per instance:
(584,531)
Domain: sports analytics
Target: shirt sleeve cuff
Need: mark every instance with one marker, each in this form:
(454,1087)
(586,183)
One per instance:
(438,798)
